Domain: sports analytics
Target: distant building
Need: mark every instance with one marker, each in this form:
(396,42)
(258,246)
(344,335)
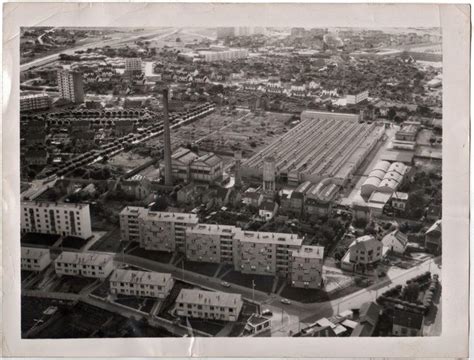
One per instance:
(395,241)
(209,305)
(223,55)
(34,102)
(357,98)
(210,243)
(225,32)
(399,201)
(141,283)
(133,65)
(87,264)
(407,323)
(34,259)
(267,210)
(307,267)
(138,186)
(56,218)
(433,242)
(252,198)
(36,157)
(408,131)
(70,86)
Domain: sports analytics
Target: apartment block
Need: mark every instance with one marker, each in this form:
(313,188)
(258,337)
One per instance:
(141,283)
(265,253)
(34,102)
(210,243)
(34,259)
(70,86)
(133,65)
(88,264)
(129,227)
(209,305)
(56,218)
(307,267)
(165,231)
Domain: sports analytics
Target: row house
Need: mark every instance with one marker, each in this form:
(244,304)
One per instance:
(209,305)
(35,259)
(87,264)
(141,283)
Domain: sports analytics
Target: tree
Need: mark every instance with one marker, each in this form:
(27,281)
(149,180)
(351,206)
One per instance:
(391,113)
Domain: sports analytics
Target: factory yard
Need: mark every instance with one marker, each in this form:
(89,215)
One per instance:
(221,132)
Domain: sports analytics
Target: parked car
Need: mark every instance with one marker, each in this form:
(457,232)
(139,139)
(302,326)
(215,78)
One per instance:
(225,284)
(285,301)
(267,312)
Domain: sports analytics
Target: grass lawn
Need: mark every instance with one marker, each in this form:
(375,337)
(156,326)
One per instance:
(39,239)
(262,282)
(211,327)
(138,303)
(160,256)
(72,284)
(304,295)
(73,242)
(109,242)
(201,267)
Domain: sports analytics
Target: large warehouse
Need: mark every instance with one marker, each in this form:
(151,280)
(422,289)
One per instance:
(319,147)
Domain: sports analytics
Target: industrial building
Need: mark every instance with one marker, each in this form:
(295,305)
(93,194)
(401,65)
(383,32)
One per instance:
(408,131)
(384,177)
(34,102)
(34,259)
(87,264)
(133,65)
(318,148)
(141,283)
(307,267)
(56,218)
(209,305)
(70,86)
(189,166)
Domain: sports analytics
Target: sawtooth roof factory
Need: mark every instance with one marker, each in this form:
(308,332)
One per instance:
(323,145)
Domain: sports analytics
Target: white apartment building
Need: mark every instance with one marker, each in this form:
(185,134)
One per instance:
(70,86)
(129,227)
(141,283)
(265,253)
(34,102)
(357,98)
(365,250)
(133,65)
(224,55)
(210,243)
(34,259)
(165,231)
(56,218)
(209,305)
(87,264)
(307,267)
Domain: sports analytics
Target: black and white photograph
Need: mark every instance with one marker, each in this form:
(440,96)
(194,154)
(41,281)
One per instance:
(241,181)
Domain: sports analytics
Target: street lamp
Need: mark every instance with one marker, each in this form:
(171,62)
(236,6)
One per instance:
(253,290)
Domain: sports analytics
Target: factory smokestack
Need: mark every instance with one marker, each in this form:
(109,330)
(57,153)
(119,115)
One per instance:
(167,140)
(238,172)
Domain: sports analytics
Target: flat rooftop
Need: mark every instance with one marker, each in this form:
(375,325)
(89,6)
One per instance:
(269,238)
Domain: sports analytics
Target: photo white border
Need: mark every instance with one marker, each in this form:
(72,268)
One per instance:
(454,20)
